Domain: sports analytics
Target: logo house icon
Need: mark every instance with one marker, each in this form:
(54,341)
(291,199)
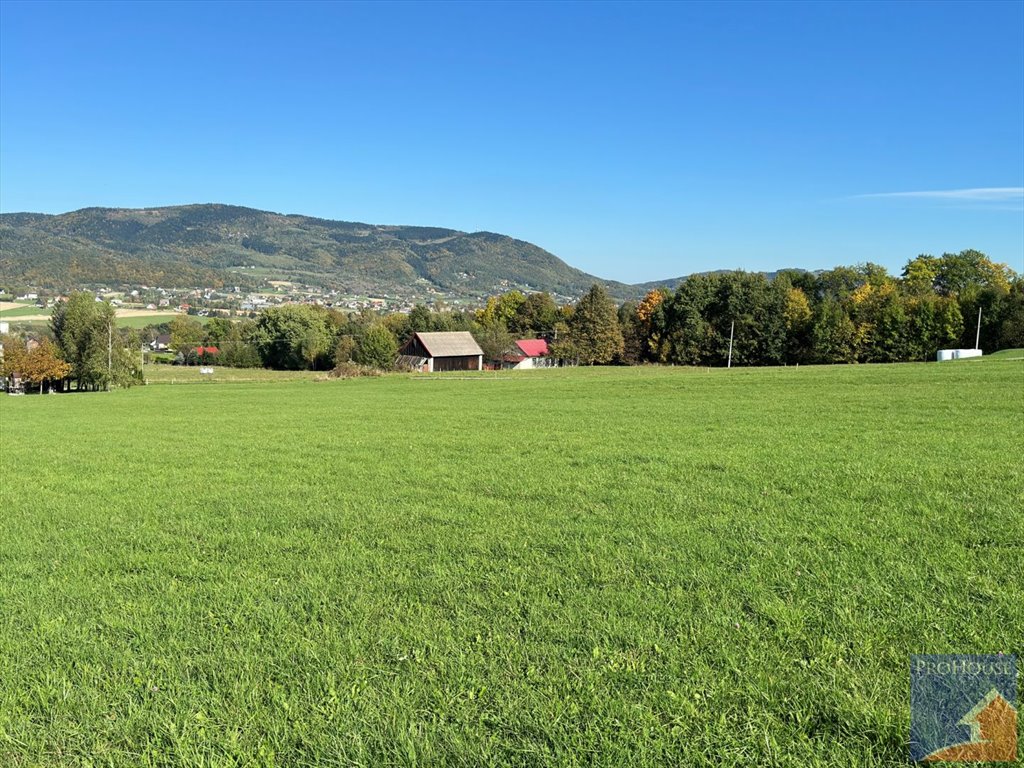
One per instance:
(993,726)
(963,708)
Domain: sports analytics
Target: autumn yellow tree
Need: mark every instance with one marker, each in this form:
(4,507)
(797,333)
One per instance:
(647,306)
(36,366)
(798,309)
(648,319)
(799,319)
(13,357)
(500,309)
(43,364)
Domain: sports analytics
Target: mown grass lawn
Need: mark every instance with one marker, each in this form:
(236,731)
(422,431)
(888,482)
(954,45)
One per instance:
(641,567)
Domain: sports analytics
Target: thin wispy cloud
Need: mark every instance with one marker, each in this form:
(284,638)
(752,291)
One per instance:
(976,194)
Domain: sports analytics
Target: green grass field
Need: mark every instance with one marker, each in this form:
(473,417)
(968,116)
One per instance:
(139,321)
(142,321)
(641,566)
(1003,354)
(190,374)
(22,311)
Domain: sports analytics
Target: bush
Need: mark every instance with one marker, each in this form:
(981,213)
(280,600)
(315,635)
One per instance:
(241,355)
(350,370)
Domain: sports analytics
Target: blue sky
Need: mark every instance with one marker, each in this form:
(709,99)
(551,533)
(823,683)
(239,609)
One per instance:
(635,141)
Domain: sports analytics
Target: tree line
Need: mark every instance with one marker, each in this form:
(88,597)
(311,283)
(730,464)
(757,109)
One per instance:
(849,314)
(844,315)
(308,336)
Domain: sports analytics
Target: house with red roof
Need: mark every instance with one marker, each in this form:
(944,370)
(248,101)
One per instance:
(528,353)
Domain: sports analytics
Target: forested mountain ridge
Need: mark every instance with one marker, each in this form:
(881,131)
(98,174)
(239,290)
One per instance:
(212,244)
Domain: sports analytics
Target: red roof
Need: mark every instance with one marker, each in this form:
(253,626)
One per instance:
(533,347)
(207,351)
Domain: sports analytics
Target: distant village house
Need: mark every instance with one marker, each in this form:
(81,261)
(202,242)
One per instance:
(161,342)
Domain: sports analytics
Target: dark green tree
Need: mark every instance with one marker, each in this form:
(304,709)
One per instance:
(757,307)
(376,348)
(420,319)
(687,336)
(235,343)
(933,323)
(218,331)
(834,336)
(1011,329)
(494,339)
(838,283)
(535,317)
(293,337)
(633,335)
(594,327)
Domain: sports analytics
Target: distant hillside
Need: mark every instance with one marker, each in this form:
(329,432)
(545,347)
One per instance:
(215,244)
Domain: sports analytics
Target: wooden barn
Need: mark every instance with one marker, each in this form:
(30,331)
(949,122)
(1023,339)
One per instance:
(442,351)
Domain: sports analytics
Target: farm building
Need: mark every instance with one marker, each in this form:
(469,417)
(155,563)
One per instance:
(528,353)
(442,351)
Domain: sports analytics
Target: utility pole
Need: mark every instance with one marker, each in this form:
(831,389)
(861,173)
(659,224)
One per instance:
(732,328)
(110,349)
(977,336)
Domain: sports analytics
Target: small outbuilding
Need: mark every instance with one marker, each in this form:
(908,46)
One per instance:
(442,351)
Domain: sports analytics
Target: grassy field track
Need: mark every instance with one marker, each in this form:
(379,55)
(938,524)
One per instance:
(159,373)
(11,310)
(605,567)
(126,318)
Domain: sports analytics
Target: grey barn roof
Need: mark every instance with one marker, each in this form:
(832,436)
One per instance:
(449,343)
